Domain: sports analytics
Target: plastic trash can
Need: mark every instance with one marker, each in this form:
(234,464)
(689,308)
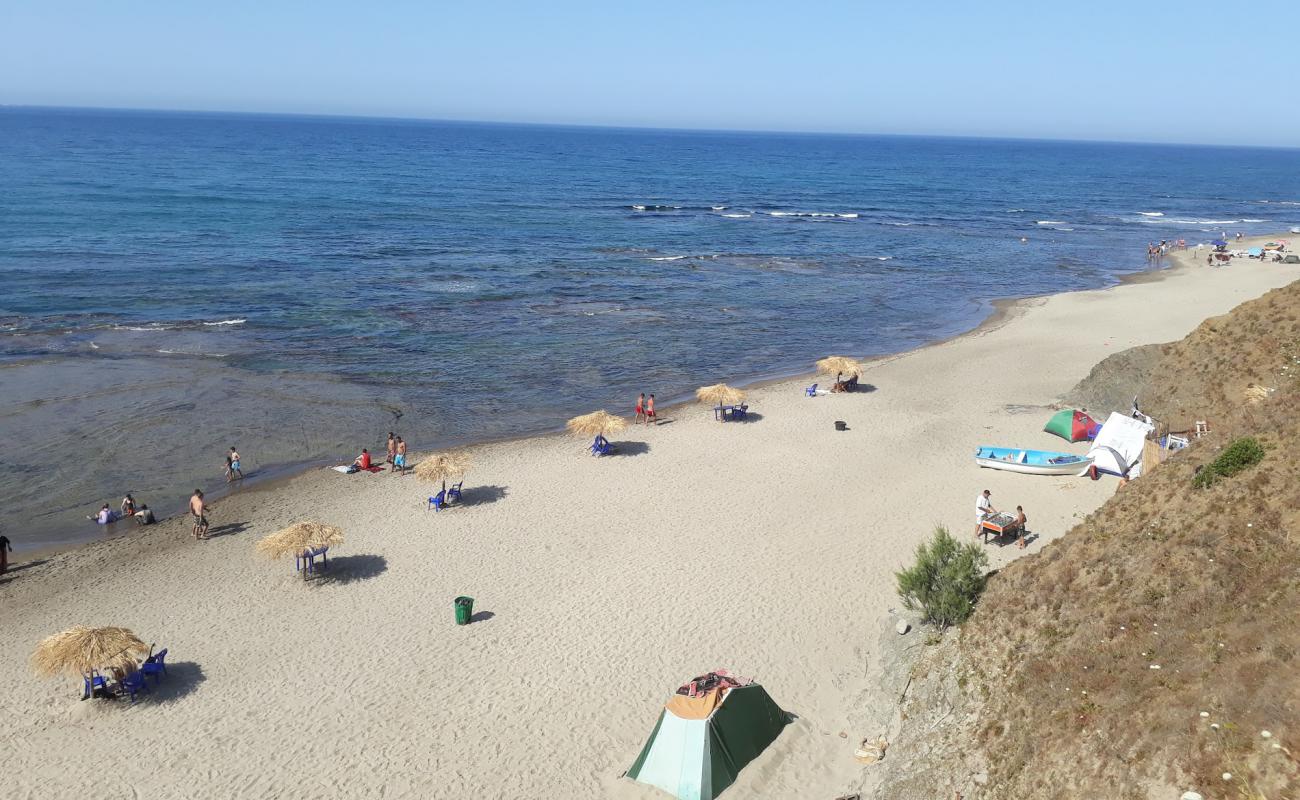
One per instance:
(464,610)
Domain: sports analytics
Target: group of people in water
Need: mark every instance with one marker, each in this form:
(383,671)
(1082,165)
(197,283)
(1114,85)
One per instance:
(1155,251)
(128,509)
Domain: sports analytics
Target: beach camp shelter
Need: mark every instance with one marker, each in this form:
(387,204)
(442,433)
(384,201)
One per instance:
(1073,426)
(1118,446)
(700,744)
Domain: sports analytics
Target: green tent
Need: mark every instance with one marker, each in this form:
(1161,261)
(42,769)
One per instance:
(696,759)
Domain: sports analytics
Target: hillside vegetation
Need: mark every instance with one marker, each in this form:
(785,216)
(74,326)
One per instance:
(1147,651)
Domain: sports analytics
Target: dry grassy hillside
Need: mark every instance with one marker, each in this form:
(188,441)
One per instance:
(1087,667)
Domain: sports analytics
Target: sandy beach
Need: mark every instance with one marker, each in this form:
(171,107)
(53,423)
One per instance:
(767,547)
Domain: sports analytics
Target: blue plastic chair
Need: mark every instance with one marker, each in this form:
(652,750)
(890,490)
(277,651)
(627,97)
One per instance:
(437,501)
(739,412)
(453,494)
(155,665)
(601,447)
(811,391)
(92,684)
(134,684)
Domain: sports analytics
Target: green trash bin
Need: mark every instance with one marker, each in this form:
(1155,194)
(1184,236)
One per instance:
(464,610)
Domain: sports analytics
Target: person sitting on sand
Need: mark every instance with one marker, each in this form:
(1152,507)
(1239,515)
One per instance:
(144,516)
(128,506)
(363,460)
(399,456)
(199,509)
(983,510)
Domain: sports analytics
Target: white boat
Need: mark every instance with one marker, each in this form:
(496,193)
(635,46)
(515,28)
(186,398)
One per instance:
(1031,462)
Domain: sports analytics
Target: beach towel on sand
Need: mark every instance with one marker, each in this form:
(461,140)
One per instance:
(348,469)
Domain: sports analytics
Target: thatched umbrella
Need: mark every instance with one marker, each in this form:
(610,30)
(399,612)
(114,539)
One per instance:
(720,394)
(441,466)
(839,365)
(299,537)
(83,652)
(597,423)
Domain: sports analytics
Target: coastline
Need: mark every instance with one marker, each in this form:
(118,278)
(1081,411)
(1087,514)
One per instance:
(767,547)
(273,476)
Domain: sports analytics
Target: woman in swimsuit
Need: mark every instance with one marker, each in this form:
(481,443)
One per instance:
(640,407)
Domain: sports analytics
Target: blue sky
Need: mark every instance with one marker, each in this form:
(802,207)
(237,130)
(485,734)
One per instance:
(1158,71)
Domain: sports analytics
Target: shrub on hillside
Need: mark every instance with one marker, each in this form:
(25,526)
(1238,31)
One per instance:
(946,580)
(1240,454)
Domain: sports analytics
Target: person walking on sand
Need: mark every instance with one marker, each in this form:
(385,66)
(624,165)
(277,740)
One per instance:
(640,409)
(983,510)
(200,511)
(227,473)
(392,450)
(650,418)
(234,465)
(399,457)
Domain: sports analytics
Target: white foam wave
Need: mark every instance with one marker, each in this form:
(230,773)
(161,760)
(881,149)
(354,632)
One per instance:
(1254,220)
(94,346)
(847,216)
(1050,222)
(240,321)
(667,258)
(188,353)
(738,216)
(813,214)
(1015,210)
(1280,202)
(142,328)
(901,224)
(717,208)
(882,258)
(1152,213)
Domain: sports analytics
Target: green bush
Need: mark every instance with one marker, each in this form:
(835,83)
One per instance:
(946,580)
(1240,454)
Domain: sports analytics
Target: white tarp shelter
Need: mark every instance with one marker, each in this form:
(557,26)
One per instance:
(1118,446)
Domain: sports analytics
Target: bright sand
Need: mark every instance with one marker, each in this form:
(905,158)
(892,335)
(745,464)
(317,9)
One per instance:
(768,547)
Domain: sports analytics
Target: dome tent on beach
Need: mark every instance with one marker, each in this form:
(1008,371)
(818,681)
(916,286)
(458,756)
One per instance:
(701,743)
(1073,426)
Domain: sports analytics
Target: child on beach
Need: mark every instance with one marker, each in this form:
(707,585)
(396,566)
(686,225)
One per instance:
(640,408)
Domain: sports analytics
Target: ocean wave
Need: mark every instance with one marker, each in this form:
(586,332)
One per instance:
(1152,213)
(737,216)
(653,207)
(192,353)
(1015,210)
(147,328)
(716,208)
(901,224)
(1254,220)
(239,321)
(882,258)
(812,214)
(667,258)
(1280,202)
(1050,222)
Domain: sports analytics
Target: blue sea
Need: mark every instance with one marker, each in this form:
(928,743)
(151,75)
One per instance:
(304,285)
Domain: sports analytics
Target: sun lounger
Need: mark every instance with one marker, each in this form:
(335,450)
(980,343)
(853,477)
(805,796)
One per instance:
(155,665)
(811,391)
(437,501)
(453,494)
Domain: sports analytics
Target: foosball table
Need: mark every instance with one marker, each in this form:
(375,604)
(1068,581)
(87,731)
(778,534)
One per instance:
(999,524)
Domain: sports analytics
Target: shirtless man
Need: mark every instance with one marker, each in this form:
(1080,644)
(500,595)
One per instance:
(199,509)
(399,457)
(650,418)
(234,465)
(392,449)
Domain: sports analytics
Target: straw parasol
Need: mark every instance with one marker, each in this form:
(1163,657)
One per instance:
(441,466)
(82,651)
(597,423)
(298,537)
(837,365)
(720,394)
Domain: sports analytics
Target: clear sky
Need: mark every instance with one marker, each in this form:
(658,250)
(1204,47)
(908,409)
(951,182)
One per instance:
(1192,71)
